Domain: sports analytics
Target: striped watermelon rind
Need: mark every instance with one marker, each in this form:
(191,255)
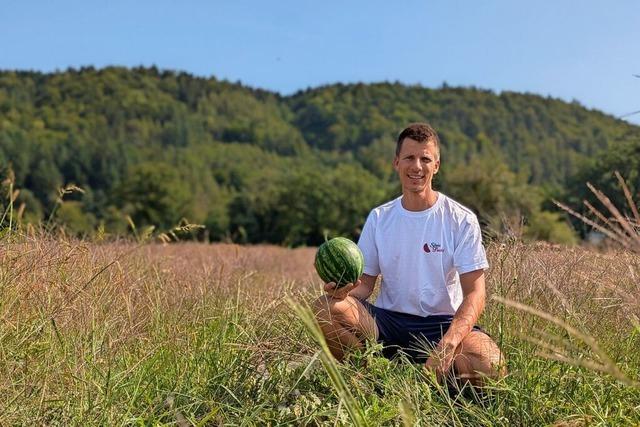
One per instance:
(339,260)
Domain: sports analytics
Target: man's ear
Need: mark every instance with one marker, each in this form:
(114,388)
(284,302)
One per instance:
(396,162)
(437,168)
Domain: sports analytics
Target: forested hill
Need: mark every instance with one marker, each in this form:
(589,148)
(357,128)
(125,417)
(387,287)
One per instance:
(255,166)
(544,138)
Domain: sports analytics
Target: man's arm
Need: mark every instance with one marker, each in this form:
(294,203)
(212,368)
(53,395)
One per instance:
(474,294)
(473,291)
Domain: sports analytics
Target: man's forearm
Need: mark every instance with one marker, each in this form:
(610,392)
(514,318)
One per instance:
(466,317)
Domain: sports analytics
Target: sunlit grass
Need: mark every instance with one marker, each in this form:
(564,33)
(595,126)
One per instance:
(189,334)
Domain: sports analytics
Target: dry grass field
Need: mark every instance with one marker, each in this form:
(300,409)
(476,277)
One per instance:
(191,334)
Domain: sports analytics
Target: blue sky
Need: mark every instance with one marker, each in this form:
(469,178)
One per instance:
(587,50)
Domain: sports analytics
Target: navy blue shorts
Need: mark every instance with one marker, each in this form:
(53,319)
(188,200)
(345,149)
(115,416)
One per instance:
(414,335)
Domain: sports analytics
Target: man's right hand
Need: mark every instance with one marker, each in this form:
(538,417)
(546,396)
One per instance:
(341,292)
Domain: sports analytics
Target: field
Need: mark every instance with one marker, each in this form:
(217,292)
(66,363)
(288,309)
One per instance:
(191,334)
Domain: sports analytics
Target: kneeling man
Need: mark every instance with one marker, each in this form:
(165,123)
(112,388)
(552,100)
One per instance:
(428,249)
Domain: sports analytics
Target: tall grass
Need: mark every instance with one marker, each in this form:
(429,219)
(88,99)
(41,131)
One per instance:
(188,334)
(609,220)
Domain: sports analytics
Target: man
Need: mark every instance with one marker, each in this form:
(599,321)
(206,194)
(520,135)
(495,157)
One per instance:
(428,249)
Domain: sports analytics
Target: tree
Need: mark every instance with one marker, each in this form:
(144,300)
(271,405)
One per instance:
(154,194)
(74,219)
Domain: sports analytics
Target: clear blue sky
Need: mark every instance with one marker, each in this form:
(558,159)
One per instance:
(584,50)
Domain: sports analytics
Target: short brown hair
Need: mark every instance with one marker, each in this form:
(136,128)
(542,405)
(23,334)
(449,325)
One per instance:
(421,132)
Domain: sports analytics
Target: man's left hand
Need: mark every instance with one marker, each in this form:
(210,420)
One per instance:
(441,359)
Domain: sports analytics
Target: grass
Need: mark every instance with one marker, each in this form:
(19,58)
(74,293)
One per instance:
(189,334)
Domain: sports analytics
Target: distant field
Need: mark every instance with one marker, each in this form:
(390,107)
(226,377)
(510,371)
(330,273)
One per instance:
(191,334)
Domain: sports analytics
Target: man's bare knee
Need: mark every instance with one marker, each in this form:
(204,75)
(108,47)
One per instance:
(327,308)
(479,358)
(341,323)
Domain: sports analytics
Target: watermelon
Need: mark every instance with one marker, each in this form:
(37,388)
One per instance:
(339,260)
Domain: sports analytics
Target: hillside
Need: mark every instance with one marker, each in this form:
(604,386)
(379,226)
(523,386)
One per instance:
(544,138)
(255,166)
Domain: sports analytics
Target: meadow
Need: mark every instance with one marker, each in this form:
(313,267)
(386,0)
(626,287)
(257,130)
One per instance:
(122,333)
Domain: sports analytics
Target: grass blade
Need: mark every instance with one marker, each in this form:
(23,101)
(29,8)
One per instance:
(330,364)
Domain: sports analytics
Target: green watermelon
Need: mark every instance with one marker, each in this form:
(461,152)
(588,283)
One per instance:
(339,260)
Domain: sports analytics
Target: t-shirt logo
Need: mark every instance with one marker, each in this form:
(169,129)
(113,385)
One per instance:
(433,247)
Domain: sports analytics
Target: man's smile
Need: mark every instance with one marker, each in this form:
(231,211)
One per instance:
(415,176)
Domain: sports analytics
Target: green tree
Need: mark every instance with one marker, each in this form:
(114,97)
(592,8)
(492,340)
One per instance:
(488,187)
(552,227)
(600,172)
(74,219)
(154,194)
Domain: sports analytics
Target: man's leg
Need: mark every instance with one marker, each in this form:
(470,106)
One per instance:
(346,323)
(478,357)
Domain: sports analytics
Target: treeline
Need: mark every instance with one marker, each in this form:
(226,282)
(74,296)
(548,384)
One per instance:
(253,166)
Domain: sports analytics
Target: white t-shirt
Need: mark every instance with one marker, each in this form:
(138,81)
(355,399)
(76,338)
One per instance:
(421,254)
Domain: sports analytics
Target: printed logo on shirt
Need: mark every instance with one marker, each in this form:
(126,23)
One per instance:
(433,247)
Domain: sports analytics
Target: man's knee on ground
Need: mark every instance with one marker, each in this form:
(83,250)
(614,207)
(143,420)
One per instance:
(480,359)
(490,365)
(328,309)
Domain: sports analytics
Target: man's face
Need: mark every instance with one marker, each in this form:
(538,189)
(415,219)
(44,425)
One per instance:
(416,164)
